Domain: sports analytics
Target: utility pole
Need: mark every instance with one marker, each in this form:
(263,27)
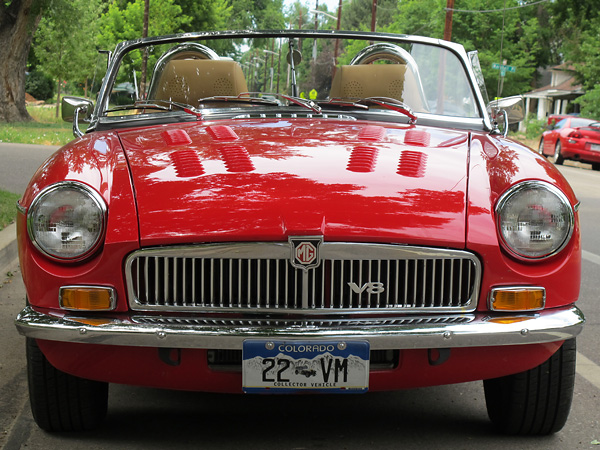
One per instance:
(448,25)
(373,15)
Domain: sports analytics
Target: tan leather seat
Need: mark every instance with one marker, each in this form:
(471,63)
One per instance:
(189,80)
(376,80)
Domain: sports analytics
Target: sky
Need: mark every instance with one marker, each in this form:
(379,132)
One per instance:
(332,5)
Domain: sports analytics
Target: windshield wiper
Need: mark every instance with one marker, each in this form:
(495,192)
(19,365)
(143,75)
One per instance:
(309,104)
(244,97)
(258,97)
(162,105)
(385,102)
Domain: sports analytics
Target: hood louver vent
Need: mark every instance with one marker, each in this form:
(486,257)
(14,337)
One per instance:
(176,137)
(412,164)
(187,163)
(362,159)
(372,133)
(222,133)
(417,137)
(236,158)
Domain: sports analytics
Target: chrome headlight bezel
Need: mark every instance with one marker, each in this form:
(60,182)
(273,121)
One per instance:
(567,213)
(48,194)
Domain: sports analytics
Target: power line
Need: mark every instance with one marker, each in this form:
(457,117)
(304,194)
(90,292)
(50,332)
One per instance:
(494,10)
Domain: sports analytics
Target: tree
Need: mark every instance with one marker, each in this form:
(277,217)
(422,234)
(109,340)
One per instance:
(512,35)
(124,22)
(65,47)
(206,15)
(18,21)
(577,25)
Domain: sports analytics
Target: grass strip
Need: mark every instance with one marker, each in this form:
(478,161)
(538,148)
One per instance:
(8,208)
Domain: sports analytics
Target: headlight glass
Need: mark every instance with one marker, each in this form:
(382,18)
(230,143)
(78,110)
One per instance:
(534,219)
(66,221)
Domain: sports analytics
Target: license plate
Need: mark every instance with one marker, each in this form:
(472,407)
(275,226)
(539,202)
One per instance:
(595,147)
(316,366)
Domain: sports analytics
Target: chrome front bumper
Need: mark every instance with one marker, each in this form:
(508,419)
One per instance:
(406,332)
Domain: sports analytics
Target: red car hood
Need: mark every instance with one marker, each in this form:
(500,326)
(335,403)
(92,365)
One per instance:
(268,179)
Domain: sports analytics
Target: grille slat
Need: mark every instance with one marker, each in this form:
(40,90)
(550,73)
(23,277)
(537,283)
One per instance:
(384,278)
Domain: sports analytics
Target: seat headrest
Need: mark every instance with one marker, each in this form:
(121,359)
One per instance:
(369,80)
(188,80)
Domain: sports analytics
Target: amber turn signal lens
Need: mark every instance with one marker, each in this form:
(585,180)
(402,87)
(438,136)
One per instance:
(83,298)
(518,299)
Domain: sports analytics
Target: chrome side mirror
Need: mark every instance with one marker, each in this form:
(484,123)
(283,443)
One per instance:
(505,111)
(76,110)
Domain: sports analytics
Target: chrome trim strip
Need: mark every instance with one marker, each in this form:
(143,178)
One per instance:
(21,209)
(481,330)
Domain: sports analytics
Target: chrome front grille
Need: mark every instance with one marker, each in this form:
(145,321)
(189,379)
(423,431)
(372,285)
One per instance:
(242,277)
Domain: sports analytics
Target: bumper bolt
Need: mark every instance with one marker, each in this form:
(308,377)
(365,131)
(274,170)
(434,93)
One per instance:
(270,345)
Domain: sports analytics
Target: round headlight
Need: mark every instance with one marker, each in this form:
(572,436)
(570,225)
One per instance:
(534,219)
(66,221)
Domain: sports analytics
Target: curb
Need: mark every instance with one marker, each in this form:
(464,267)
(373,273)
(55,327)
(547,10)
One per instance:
(8,248)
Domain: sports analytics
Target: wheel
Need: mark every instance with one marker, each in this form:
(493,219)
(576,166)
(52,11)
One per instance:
(537,401)
(557,157)
(541,146)
(63,402)
(595,166)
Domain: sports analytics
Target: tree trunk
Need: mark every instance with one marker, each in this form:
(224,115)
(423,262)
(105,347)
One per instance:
(18,21)
(58,97)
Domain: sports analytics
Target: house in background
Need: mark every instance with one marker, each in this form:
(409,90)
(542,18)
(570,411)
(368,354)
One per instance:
(556,97)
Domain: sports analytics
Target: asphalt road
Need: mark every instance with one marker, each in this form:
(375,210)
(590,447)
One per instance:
(441,417)
(18,163)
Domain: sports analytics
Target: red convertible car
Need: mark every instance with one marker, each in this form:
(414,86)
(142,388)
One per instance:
(298,212)
(572,138)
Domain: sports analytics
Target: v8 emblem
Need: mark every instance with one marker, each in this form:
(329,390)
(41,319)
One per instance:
(371,288)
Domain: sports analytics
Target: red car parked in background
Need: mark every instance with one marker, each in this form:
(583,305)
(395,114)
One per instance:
(572,138)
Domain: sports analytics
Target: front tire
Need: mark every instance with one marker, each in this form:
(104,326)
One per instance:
(63,402)
(557,158)
(537,401)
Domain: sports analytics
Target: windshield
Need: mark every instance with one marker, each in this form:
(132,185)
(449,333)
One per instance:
(407,78)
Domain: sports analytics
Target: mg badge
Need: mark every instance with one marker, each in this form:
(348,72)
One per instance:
(305,251)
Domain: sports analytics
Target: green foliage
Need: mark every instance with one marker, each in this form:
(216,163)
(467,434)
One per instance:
(512,36)
(124,22)
(590,103)
(534,127)
(64,43)
(206,15)
(39,85)
(8,208)
(357,14)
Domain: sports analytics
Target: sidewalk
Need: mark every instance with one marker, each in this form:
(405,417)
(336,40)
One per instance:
(8,249)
